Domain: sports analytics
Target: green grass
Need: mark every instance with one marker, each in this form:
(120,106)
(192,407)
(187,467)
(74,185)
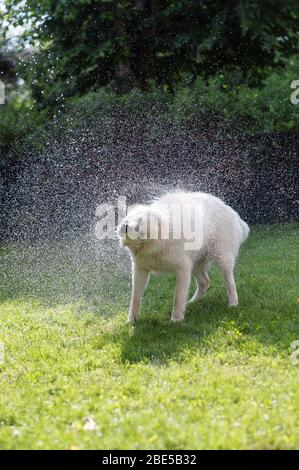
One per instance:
(222,379)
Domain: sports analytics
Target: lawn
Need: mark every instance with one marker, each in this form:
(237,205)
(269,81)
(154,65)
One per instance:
(75,375)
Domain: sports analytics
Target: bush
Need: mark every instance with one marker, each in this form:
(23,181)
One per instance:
(263,108)
(17,121)
(231,107)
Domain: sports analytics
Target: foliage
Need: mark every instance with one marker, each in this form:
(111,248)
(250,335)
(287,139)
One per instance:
(86,44)
(223,379)
(17,122)
(228,61)
(263,108)
(236,107)
(7,57)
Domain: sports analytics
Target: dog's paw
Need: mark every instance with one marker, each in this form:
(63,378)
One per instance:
(132,318)
(177,318)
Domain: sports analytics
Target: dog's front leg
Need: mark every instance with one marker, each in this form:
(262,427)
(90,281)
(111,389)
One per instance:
(139,282)
(183,279)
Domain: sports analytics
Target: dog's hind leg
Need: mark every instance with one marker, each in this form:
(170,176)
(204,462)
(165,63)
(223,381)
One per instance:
(227,264)
(200,272)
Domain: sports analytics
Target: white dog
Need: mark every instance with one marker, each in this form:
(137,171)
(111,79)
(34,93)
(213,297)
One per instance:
(151,234)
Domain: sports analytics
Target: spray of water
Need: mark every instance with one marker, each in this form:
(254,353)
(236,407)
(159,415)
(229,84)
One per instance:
(51,190)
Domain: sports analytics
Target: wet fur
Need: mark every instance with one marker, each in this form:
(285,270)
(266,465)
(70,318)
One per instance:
(223,233)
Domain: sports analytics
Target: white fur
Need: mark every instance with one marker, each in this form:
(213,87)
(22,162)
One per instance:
(222,234)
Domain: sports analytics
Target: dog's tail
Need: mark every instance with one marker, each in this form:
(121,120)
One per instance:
(245,230)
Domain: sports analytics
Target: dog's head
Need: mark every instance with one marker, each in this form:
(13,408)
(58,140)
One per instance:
(141,225)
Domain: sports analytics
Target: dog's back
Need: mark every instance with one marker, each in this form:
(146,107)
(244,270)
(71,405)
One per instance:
(221,224)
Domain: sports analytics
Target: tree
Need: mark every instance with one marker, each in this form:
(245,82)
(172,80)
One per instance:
(84,44)
(7,59)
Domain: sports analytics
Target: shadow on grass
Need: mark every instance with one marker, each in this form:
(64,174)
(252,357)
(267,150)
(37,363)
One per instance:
(210,325)
(160,341)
